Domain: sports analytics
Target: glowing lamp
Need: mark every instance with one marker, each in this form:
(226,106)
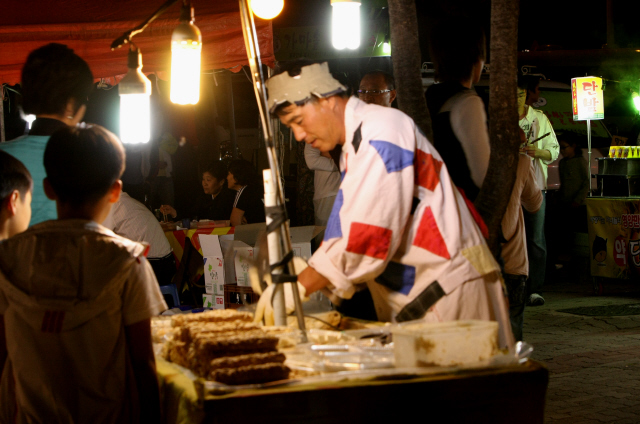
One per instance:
(186,52)
(636,100)
(386,48)
(135,90)
(266,9)
(345,24)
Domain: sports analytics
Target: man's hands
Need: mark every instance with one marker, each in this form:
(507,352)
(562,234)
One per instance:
(534,152)
(168,210)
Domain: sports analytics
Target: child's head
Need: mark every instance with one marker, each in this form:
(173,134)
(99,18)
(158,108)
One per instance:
(83,167)
(15,196)
(569,146)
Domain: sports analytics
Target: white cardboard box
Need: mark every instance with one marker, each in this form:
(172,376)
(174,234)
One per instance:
(305,240)
(212,301)
(242,259)
(214,270)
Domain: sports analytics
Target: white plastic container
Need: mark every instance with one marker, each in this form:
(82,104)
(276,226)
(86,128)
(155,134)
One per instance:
(454,343)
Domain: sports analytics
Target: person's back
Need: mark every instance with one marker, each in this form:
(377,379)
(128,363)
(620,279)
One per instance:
(526,194)
(55,86)
(76,312)
(459,121)
(65,314)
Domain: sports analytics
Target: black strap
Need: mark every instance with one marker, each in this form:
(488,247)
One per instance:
(278,215)
(283,277)
(419,306)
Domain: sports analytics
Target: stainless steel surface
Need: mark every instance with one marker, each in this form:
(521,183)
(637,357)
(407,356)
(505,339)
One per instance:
(619,166)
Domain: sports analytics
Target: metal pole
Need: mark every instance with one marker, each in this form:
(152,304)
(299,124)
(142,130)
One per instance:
(253,54)
(232,118)
(589,146)
(275,252)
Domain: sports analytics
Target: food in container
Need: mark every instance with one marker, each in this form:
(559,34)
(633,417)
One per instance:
(423,344)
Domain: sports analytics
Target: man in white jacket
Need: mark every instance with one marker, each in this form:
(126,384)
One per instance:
(542,152)
(398,224)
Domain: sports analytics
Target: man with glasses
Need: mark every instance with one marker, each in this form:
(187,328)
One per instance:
(378,88)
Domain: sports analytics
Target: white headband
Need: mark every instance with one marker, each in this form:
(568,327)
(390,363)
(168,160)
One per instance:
(313,80)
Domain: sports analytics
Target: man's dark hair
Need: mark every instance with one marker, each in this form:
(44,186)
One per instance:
(456,45)
(13,176)
(217,169)
(242,171)
(294,68)
(83,163)
(52,76)
(528,82)
(389,80)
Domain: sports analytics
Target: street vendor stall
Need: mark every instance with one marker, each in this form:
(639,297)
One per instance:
(614,221)
(322,388)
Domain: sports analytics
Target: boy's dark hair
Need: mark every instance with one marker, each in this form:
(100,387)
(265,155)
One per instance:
(13,176)
(53,75)
(83,163)
(217,169)
(528,82)
(242,171)
(294,68)
(389,80)
(455,46)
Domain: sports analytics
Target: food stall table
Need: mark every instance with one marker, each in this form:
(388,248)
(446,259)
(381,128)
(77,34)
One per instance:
(498,395)
(614,238)
(177,238)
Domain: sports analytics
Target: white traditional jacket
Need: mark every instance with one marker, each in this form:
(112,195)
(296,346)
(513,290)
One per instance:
(398,221)
(536,124)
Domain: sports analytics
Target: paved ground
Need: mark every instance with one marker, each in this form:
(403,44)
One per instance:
(594,362)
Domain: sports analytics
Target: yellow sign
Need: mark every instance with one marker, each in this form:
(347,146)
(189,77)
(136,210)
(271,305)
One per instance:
(586,96)
(617,140)
(614,237)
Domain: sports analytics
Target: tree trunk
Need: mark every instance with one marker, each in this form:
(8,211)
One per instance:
(503,118)
(406,60)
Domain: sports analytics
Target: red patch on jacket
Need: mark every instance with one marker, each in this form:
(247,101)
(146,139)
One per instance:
(427,170)
(428,236)
(475,214)
(369,240)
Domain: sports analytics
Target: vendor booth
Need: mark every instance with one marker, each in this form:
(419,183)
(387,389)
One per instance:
(223,364)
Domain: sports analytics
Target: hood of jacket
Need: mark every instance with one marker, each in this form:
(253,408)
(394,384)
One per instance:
(66,259)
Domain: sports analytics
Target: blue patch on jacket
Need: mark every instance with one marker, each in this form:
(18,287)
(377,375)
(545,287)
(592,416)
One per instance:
(398,277)
(334,228)
(395,158)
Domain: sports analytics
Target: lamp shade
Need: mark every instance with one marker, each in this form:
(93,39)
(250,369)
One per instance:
(345,31)
(266,9)
(186,53)
(135,115)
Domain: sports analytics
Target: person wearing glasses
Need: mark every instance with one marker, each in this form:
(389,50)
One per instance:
(377,88)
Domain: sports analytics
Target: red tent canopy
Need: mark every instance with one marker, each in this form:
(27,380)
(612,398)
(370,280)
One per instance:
(89,27)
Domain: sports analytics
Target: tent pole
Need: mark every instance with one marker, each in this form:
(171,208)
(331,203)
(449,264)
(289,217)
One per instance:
(2,114)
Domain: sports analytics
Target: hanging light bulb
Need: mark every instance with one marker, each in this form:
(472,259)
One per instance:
(266,9)
(636,100)
(345,24)
(135,90)
(186,52)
